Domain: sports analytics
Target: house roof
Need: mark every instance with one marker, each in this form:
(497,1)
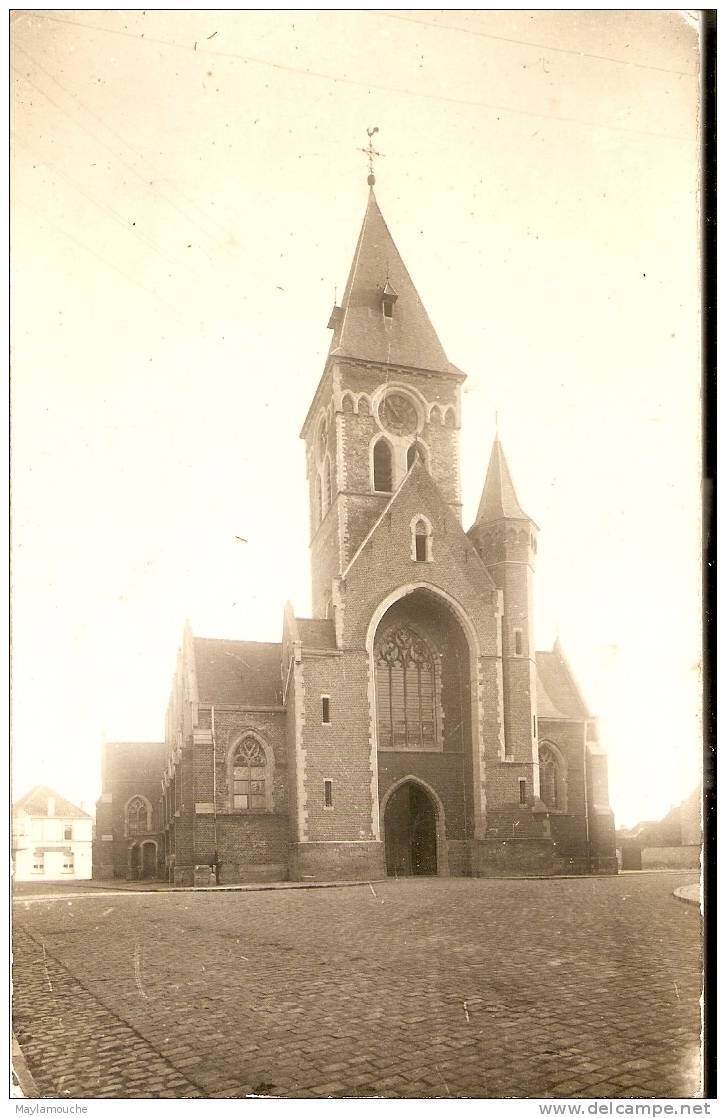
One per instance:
(35,802)
(499,499)
(238,673)
(558,695)
(360,328)
(316,632)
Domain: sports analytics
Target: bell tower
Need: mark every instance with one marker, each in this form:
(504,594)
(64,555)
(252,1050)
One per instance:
(388,396)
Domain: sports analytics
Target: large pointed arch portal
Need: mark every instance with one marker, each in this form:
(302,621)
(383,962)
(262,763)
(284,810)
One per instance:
(424,696)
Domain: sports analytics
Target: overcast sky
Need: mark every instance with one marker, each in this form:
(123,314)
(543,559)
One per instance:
(187,194)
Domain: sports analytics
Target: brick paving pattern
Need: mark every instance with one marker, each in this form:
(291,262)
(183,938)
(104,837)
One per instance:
(455,988)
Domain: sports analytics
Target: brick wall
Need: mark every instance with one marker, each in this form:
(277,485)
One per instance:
(128,769)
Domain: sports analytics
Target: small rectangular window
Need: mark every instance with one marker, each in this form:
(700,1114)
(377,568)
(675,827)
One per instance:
(68,831)
(517,642)
(39,862)
(328,792)
(420,548)
(522,790)
(534,725)
(326,709)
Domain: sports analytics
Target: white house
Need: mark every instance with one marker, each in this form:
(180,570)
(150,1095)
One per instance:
(51,838)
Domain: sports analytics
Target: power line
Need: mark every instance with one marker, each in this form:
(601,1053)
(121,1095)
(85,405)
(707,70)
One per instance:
(114,214)
(537,46)
(123,161)
(359,83)
(109,264)
(122,139)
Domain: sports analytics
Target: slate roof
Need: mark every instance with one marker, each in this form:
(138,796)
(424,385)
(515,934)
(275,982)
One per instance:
(238,673)
(408,338)
(499,499)
(35,802)
(557,693)
(316,632)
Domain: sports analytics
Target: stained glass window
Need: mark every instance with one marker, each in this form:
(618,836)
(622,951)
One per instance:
(249,776)
(406,690)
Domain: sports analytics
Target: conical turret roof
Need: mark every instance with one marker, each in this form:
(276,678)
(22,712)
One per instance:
(361,328)
(499,499)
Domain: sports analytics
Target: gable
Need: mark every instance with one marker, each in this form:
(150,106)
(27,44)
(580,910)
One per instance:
(385,562)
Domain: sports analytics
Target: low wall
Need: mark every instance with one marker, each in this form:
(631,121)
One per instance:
(671,857)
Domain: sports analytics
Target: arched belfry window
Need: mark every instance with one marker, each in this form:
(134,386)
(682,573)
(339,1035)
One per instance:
(251,776)
(138,816)
(317,503)
(416,450)
(327,489)
(421,540)
(552,778)
(406,670)
(382,467)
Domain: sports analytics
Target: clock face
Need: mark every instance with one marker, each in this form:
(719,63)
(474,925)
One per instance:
(398,414)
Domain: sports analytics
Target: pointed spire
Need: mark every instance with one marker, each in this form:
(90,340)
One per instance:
(498,499)
(381,317)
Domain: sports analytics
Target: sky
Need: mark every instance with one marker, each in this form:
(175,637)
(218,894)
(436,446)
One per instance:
(187,192)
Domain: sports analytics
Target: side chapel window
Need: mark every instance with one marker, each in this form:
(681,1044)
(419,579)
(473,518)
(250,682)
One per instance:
(249,776)
(551,780)
(137,816)
(406,692)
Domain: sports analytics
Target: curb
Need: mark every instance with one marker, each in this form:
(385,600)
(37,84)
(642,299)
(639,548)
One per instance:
(251,887)
(689,894)
(22,1084)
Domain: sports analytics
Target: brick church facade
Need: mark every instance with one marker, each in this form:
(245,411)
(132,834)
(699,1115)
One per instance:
(409,726)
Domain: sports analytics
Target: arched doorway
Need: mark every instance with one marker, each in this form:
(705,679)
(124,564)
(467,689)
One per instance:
(410,832)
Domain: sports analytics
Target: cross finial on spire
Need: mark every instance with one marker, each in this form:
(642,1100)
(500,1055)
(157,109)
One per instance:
(372,154)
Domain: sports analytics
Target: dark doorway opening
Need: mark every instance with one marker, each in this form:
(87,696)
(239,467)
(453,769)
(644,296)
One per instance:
(149,860)
(410,832)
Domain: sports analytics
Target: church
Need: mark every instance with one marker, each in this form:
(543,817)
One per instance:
(408,727)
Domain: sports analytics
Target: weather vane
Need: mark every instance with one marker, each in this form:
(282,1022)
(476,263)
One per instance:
(371,152)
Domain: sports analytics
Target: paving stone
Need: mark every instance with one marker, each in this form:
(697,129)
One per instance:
(339,996)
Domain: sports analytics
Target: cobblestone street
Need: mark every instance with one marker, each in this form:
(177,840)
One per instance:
(404,989)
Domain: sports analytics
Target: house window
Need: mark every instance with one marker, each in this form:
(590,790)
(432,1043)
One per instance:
(38,862)
(249,776)
(137,816)
(68,863)
(326,709)
(517,642)
(522,790)
(382,467)
(406,692)
(68,831)
(328,793)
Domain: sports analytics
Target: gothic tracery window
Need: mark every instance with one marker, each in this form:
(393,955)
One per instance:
(137,816)
(406,692)
(552,788)
(249,776)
